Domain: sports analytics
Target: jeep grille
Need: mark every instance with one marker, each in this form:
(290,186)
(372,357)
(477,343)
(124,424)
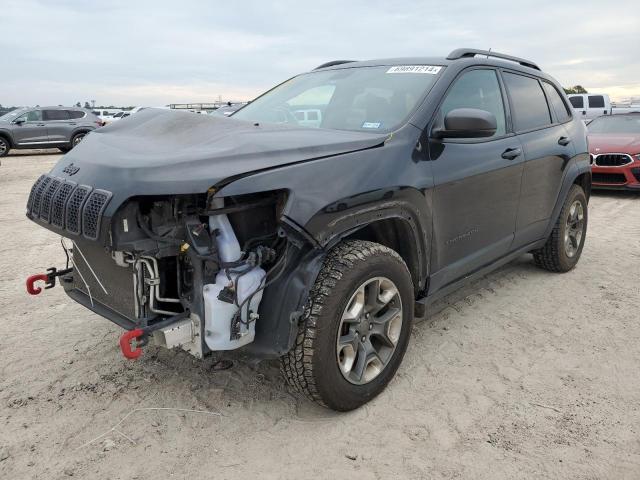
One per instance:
(64,204)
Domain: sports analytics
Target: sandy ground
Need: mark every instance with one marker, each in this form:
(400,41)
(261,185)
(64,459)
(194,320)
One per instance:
(524,374)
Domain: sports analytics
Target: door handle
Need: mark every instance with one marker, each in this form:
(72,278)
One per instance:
(41,125)
(564,141)
(584,112)
(511,153)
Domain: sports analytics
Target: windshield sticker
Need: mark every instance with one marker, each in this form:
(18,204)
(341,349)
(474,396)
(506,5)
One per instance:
(430,69)
(371,125)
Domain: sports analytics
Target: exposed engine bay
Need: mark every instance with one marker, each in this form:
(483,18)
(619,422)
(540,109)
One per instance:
(183,271)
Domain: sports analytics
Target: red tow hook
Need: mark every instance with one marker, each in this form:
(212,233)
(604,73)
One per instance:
(33,290)
(48,278)
(125,343)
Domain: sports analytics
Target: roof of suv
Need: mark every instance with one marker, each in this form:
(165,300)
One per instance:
(462,57)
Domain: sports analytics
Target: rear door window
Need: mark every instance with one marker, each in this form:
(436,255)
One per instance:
(528,103)
(577,102)
(477,89)
(596,101)
(75,114)
(56,115)
(555,100)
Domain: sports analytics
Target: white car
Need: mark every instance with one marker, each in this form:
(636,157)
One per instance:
(588,106)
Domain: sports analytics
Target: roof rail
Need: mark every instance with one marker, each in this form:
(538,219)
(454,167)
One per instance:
(472,52)
(332,63)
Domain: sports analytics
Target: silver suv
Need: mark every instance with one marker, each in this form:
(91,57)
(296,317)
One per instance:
(45,127)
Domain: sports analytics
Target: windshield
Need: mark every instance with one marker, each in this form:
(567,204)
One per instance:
(373,99)
(12,115)
(616,124)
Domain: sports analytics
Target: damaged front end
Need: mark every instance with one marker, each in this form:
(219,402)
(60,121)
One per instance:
(184,271)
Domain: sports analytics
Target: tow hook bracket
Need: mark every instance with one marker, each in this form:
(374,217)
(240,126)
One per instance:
(132,350)
(49,278)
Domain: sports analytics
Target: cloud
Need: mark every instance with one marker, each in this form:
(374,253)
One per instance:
(158,52)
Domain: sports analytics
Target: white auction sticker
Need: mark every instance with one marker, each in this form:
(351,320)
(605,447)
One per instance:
(430,69)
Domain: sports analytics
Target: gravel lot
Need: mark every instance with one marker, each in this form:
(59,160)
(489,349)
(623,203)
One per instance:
(524,374)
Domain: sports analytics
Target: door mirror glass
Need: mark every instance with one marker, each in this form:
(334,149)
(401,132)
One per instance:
(468,123)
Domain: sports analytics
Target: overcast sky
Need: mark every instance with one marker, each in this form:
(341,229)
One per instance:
(152,52)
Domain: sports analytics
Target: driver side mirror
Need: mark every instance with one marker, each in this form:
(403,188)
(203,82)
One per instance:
(467,123)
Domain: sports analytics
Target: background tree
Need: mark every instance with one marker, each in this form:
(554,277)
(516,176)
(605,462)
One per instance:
(575,89)
(86,105)
(78,105)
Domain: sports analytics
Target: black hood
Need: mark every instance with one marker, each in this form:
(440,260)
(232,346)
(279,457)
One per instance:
(156,152)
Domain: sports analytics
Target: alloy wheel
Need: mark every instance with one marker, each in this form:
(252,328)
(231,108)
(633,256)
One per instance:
(369,330)
(78,138)
(574,229)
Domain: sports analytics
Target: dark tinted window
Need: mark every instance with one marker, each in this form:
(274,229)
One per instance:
(577,102)
(75,113)
(559,107)
(529,106)
(477,89)
(56,115)
(596,101)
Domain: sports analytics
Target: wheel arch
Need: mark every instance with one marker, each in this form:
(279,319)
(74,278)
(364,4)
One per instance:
(578,173)
(7,136)
(397,218)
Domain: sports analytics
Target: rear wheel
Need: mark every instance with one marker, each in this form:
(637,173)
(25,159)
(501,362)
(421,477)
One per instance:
(4,147)
(355,329)
(564,246)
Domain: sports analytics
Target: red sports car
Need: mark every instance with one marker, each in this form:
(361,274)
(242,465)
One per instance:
(614,144)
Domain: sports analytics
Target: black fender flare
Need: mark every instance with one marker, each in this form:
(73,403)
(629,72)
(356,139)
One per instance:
(408,206)
(579,165)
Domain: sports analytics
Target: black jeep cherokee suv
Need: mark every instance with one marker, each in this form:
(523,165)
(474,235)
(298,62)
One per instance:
(318,220)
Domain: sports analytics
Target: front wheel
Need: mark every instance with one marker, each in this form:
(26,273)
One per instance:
(564,246)
(4,147)
(355,329)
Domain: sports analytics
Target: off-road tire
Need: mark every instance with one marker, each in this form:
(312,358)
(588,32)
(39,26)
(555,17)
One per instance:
(552,255)
(4,151)
(311,367)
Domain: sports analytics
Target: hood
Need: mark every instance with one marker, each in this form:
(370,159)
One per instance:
(614,143)
(159,152)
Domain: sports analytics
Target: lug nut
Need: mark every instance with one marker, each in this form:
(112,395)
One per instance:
(370,326)
(364,339)
(367,315)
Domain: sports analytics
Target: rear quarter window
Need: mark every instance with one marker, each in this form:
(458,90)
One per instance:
(555,100)
(76,114)
(528,103)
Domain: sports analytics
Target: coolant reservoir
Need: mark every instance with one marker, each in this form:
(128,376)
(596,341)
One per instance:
(219,313)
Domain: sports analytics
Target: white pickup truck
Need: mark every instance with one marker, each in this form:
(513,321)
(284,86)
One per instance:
(588,106)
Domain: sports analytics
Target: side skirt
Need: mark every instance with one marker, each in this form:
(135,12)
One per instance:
(423,303)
